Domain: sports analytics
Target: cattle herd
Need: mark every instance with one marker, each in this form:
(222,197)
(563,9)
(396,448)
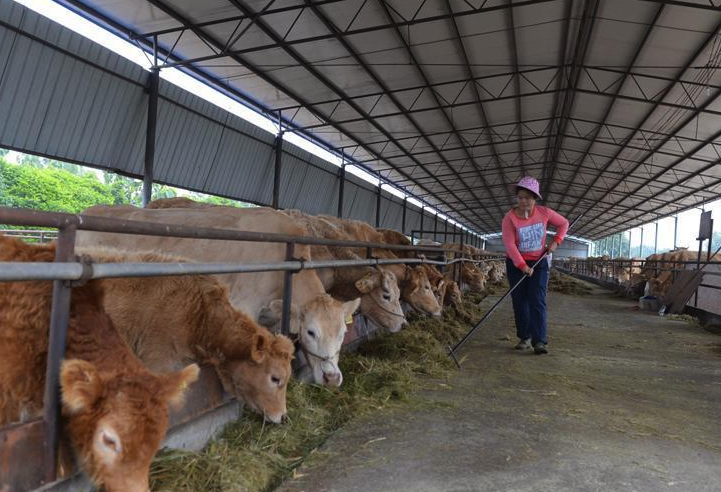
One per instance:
(135,344)
(653,275)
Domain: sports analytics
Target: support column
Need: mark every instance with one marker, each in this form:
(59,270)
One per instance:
(445,231)
(403,219)
(655,240)
(675,230)
(341,189)
(378,205)
(149,161)
(640,248)
(435,227)
(278,163)
(420,234)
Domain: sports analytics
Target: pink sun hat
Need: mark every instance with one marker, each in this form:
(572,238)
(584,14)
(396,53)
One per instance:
(531,184)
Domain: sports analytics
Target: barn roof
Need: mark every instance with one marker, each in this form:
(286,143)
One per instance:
(613,104)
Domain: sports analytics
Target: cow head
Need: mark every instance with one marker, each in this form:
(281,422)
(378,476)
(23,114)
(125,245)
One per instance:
(116,420)
(417,292)
(453,296)
(259,378)
(380,299)
(473,277)
(319,326)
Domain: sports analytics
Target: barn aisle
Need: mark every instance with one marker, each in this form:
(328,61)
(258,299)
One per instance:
(625,401)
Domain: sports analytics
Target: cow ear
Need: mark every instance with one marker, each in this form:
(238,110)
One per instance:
(283,345)
(259,346)
(271,315)
(367,283)
(351,307)
(81,385)
(175,384)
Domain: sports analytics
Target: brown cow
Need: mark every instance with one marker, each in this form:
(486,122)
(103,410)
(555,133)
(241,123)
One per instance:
(169,321)
(178,202)
(320,319)
(377,288)
(451,293)
(414,285)
(115,410)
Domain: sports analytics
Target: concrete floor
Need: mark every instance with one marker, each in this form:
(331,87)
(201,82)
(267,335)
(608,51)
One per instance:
(625,401)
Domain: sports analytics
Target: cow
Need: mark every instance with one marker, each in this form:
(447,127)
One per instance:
(414,285)
(115,411)
(497,272)
(169,321)
(672,260)
(377,288)
(318,320)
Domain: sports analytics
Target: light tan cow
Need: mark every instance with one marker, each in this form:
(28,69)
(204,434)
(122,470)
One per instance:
(319,319)
(172,321)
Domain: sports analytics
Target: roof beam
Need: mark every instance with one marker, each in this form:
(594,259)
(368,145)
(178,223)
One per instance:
(585,29)
(609,107)
(694,113)
(517,77)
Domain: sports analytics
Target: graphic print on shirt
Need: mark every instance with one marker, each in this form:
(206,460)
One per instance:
(530,238)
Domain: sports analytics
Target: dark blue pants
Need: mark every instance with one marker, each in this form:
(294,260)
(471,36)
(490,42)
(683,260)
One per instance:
(529,301)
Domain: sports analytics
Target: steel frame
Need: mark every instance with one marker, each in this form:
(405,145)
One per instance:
(469,182)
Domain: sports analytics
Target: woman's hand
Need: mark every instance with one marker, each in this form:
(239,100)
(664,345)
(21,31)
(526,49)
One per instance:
(552,246)
(527,270)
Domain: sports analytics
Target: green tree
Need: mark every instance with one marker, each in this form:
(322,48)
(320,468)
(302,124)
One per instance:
(55,190)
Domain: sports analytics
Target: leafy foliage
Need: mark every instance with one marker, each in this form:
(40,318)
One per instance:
(43,184)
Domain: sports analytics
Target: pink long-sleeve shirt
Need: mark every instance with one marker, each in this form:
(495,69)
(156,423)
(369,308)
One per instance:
(525,239)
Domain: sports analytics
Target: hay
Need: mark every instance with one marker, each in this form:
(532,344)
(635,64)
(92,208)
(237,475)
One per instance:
(565,284)
(253,456)
(684,317)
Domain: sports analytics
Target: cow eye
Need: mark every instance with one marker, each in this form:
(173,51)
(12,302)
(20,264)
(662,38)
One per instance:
(387,297)
(275,380)
(311,333)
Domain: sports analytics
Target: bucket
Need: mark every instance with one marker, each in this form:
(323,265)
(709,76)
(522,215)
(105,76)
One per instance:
(649,303)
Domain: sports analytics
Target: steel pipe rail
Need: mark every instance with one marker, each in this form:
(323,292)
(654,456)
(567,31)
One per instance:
(24,271)
(18,216)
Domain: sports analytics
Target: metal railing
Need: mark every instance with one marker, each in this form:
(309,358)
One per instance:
(622,272)
(67,268)
(31,235)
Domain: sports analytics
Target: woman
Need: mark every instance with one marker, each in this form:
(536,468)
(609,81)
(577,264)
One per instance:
(524,236)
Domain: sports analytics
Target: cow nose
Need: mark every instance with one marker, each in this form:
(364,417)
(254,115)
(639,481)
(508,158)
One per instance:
(331,378)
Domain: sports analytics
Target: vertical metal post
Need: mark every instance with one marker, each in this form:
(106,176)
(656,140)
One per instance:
(710,244)
(630,237)
(403,219)
(445,231)
(435,227)
(675,230)
(460,265)
(640,247)
(484,244)
(149,161)
(420,233)
(59,315)
(278,162)
(655,240)
(378,203)
(287,291)
(341,188)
